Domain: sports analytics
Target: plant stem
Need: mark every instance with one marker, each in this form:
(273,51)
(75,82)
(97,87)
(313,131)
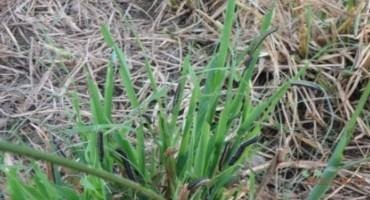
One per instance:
(38,155)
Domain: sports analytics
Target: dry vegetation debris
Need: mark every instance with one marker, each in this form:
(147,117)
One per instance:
(45,46)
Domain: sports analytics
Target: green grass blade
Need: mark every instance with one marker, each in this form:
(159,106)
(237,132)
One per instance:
(257,112)
(153,82)
(262,110)
(217,70)
(95,101)
(129,87)
(15,187)
(164,133)
(250,58)
(216,76)
(76,108)
(218,182)
(93,152)
(126,78)
(252,186)
(107,36)
(124,69)
(43,185)
(127,83)
(67,193)
(108,92)
(149,71)
(201,154)
(335,160)
(254,51)
(179,92)
(267,19)
(216,144)
(126,146)
(185,150)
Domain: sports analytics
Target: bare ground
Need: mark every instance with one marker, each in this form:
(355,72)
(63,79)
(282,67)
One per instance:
(46,45)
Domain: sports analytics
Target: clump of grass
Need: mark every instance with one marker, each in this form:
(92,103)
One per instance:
(192,157)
